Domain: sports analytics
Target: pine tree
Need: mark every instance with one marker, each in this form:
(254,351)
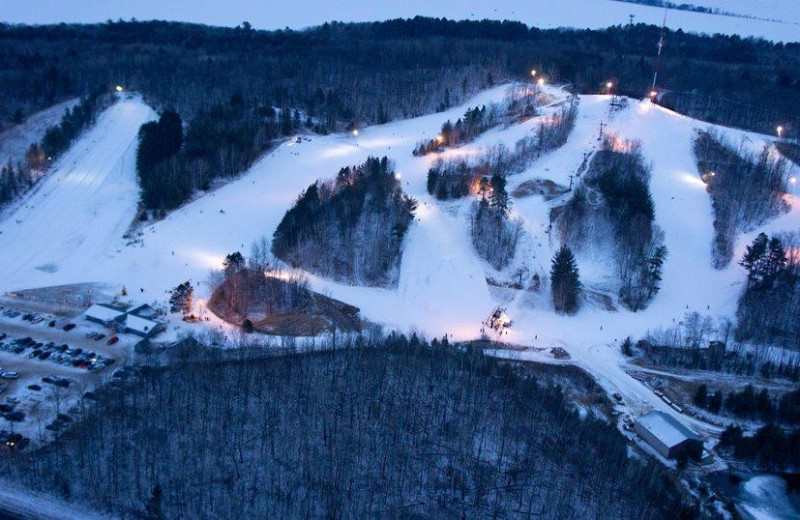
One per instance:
(701,396)
(775,262)
(627,347)
(565,281)
(655,264)
(247,326)
(499,198)
(753,259)
(180,299)
(233,263)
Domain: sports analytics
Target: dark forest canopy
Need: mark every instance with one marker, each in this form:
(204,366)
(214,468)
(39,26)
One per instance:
(354,73)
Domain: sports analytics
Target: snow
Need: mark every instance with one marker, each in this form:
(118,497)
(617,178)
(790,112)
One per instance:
(77,215)
(23,503)
(541,13)
(764,497)
(103,313)
(70,230)
(665,429)
(140,325)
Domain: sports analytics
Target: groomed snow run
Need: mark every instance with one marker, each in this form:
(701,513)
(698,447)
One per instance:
(77,215)
(70,231)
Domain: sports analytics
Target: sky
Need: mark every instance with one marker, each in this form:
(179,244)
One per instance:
(298,14)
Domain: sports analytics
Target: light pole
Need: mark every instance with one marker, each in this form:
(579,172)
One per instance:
(609,86)
(779,130)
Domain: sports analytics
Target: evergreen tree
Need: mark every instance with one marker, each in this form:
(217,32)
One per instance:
(701,396)
(499,198)
(655,265)
(233,263)
(565,281)
(715,403)
(180,299)
(775,262)
(247,326)
(753,258)
(627,347)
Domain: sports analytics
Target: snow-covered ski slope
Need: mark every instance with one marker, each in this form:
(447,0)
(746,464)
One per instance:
(70,230)
(771,19)
(77,215)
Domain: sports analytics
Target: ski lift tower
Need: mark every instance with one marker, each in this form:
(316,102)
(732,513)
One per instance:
(658,56)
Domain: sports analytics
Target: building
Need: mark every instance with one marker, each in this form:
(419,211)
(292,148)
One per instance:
(667,436)
(139,320)
(105,315)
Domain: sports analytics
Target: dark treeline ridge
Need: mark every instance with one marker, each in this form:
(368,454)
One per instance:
(350,228)
(388,427)
(746,189)
(769,307)
(752,403)
(614,205)
(370,72)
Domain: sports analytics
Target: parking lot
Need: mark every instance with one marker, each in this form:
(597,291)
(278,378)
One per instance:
(47,366)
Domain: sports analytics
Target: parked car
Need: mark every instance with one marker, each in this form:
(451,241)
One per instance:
(112,340)
(34,387)
(69,326)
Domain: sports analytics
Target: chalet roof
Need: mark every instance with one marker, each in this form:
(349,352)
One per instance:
(137,324)
(103,312)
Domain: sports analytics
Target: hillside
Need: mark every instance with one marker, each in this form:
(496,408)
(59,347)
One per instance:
(442,286)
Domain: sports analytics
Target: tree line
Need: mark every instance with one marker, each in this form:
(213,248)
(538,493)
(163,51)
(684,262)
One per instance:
(340,74)
(387,427)
(746,189)
(752,403)
(350,228)
(518,106)
(771,447)
(17,178)
(451,179)
(768,307)
(494,234)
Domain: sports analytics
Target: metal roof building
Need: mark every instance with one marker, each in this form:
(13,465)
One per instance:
(667,436)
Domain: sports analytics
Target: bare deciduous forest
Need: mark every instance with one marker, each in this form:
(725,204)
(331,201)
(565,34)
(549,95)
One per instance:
(456,178)
(390,428)
(746,189)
